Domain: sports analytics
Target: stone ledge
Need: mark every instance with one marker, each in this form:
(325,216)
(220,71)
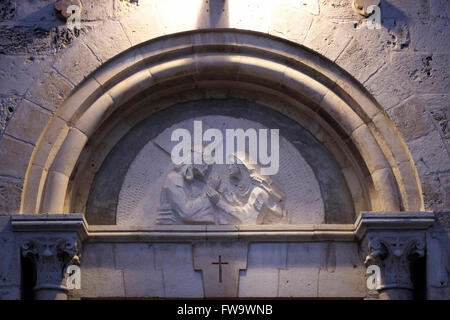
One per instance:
(393,221)
(382,221)
(59,223)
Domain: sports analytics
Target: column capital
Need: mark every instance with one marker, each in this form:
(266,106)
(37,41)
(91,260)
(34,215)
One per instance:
(52,243)
(392,241)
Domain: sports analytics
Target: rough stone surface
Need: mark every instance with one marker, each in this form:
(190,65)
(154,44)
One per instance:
(429,154)
(10,195)
(7,10)
(440,8)
(327,38)
(99,278)
(418,9)
(140,276)
(32,131)
(411,119)
(426,35)
(438,106)
(261,279)
(426,72)
(50,91)
(78,63)
(32,40)
(97,10)
(10,263)
(180,278)
(103,47)
(404,65)
(14,154)
(17,73)
(8,105)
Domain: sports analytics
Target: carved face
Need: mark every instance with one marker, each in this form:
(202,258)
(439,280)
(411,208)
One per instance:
(234,171)
(200,170)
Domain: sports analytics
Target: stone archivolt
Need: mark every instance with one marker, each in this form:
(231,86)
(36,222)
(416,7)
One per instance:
(239,63)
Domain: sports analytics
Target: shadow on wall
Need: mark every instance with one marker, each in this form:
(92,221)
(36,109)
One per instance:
(213,14)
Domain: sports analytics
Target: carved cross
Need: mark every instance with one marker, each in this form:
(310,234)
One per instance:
(220,263)
(230,257)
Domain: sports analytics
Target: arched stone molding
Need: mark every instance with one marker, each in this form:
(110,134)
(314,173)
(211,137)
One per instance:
(186,62)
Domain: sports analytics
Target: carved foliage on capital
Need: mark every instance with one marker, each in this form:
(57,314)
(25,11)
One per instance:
(51,256)
(394,254)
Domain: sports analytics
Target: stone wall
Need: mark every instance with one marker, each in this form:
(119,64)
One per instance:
(404,65)
(284,270)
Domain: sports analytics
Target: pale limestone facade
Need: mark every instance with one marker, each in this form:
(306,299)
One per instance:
(365,114)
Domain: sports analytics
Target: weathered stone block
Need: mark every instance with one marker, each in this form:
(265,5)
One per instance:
(339,9)
(142,25)
(10,195)
(389,88)
(28,122)
(32,40)
(427,35)
(427,72)
(105,47)
(327,38)
(97,10)
(134,255)
(124,7)
(10,263)
(261,277)
(50,91)
(8,105)
(17,73)
(7,10)
(439,107)
(180,279)
(98,276)
(411,118)
(289,23)
(429,154)
(76,63)
(305,255)
(15,156)
(418,9)
(444,179)
(298,282)
(40,11)
(343,274)
(143,282)
(138,265)
(440,8)
(361,59)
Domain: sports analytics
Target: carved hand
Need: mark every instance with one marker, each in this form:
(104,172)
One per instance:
(212,195)
(215,182)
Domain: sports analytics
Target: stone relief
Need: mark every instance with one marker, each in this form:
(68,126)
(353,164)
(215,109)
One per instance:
(155,191)
(238,195)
